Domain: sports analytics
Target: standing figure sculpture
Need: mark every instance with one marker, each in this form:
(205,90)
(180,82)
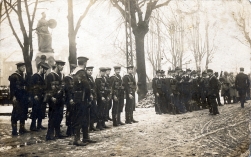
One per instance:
(44,36)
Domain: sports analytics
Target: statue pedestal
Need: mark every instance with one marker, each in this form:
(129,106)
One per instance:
(49,59)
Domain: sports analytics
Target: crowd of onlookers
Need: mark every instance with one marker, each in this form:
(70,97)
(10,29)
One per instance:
(181,91)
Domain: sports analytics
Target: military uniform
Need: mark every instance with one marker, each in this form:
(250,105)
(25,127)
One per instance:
(195,90)
(186,92)
(19,95)
(242,84)
(199,78)
(164,88)
(219,85)
(174,86)
(204,85)
(225,93)
(100,82)
(232,89)
(129,84)
(38,88)
(69,95)
(167,90)
(109,94)
(212,92)
(117,98)
(94,107)
(55,99)
(156,85)
(178,96)
(82,104)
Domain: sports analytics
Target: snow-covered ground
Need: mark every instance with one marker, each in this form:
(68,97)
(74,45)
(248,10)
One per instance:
(192,134)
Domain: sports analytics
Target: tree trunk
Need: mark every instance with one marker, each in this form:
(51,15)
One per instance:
(71,35)
(26,57)
(141,65)
(72,51)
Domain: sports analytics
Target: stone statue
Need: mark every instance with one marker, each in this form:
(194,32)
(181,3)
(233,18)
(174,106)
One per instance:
(44,36)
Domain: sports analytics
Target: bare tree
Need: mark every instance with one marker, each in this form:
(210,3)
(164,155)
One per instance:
(176,36)
(3,11)
(140,28)
(242,17)
(72,31)
(210,49)
(198,45)
(154,43)
(27,46)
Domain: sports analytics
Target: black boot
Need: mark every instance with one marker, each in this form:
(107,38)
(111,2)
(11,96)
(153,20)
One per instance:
(33,125)
(69,131)
(119,119)
(92,128)
(229,100)
(225,100)
(39,125)
(234,100)
(14,129)
(77,141)
(22,129)
(86,137)
(99,126)
(58,133)
(134,121)
(128,120)
(114,120)
(103,124)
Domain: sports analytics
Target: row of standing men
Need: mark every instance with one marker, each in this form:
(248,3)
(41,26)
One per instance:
(183,91)
(87,101)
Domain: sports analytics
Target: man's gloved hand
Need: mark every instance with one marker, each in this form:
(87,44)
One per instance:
(103,99)
(53,100)
(72,102)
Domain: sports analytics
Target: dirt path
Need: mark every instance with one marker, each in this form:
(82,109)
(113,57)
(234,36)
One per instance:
(191,134)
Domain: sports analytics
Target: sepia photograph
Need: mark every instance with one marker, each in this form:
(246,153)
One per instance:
(125,78)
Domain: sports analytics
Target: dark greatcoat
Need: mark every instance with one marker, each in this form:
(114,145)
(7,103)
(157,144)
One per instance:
(81,99)
(129,84)
(212,93)
(18,89)
(69,93)
(242,85)
(118,91)
(94,107)
(100,84)
(55,109)
(37,89)
(157,88)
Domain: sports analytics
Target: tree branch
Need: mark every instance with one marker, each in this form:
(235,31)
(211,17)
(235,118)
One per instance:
(12,6)
(34,12)
(27,12)
(30,29)
(11,26)
(149,9)
(91,2)
(123,13)
(20,19)
(162,4)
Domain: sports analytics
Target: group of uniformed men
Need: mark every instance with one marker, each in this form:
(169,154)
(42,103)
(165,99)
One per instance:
(181,91)
(88,101)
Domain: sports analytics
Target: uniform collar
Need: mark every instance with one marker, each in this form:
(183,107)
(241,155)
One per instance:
(76,70)
(54,72)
